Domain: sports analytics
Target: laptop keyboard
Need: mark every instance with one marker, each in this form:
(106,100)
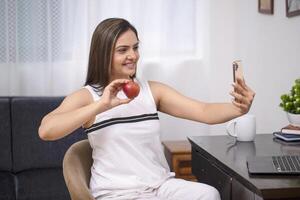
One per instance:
(286,163)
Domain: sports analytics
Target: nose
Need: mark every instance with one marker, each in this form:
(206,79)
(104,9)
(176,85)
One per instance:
(133,55)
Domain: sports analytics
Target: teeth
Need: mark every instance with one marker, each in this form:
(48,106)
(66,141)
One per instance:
(129,65)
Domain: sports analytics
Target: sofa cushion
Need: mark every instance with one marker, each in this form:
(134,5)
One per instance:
(5,135)
(29,151)
(7,186)
(45,184)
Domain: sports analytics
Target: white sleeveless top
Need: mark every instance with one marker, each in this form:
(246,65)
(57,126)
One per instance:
(127,151)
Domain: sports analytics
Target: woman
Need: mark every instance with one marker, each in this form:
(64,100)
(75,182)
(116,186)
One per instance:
(128,161)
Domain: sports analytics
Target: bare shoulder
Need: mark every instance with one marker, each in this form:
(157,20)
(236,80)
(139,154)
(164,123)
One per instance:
(160,90)
(155,88)
(77,99)
(81,96)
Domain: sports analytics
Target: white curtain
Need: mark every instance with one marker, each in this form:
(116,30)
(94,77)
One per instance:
(44,44)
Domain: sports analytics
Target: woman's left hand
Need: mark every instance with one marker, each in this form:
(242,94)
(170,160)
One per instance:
(243,96)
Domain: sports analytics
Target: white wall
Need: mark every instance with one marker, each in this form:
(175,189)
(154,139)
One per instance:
(268,45)
(187,77)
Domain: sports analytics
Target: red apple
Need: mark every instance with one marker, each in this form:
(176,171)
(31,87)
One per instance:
(131,89)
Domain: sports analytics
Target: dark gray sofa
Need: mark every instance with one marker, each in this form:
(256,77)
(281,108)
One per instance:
(30,168)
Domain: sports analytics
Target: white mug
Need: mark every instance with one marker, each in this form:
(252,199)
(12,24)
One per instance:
(242,128)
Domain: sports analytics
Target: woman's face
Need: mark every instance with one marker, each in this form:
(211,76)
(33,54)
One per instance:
(125,56)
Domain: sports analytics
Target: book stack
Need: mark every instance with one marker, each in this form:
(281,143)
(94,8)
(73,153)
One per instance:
(289,133)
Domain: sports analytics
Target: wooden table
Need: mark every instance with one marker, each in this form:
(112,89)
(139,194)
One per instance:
(178,154)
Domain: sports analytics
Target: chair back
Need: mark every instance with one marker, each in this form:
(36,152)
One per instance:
(77,170)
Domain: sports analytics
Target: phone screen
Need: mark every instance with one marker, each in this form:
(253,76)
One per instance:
(237,70)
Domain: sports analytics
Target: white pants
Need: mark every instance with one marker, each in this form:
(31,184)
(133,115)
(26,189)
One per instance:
(174,189)
(179,189)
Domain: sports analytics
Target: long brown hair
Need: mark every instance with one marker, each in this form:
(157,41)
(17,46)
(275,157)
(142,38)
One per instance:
(101,51)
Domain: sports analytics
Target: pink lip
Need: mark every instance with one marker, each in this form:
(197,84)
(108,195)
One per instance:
(129,64)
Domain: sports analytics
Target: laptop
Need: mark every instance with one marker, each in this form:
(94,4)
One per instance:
(281,165)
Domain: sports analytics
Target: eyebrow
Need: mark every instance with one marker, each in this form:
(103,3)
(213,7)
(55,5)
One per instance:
(122,46)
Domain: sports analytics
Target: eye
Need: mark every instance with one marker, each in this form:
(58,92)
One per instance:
(121,50)
(136,48)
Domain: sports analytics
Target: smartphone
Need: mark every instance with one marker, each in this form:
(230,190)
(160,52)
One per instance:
(237,70)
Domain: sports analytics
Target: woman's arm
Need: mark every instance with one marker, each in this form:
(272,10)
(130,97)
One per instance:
(171,102)
(79,109)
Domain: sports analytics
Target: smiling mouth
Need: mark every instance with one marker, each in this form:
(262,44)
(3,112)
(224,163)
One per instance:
(129,65)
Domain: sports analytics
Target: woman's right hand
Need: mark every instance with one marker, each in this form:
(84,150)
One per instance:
(79,109)
(109,97)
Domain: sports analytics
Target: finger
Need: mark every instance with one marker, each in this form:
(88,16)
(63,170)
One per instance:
(241,84)
(116,85)
(113,88)
(236,87)
(243,91)
(125,101)
(241,106)
(119,81)
(239,90)
(241,81)
(241,87)
(252,93)
(247,89)
(239,98)
(120,88)
(235,95)
(249,94)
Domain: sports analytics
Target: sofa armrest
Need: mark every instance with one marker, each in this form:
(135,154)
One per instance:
(77,170)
